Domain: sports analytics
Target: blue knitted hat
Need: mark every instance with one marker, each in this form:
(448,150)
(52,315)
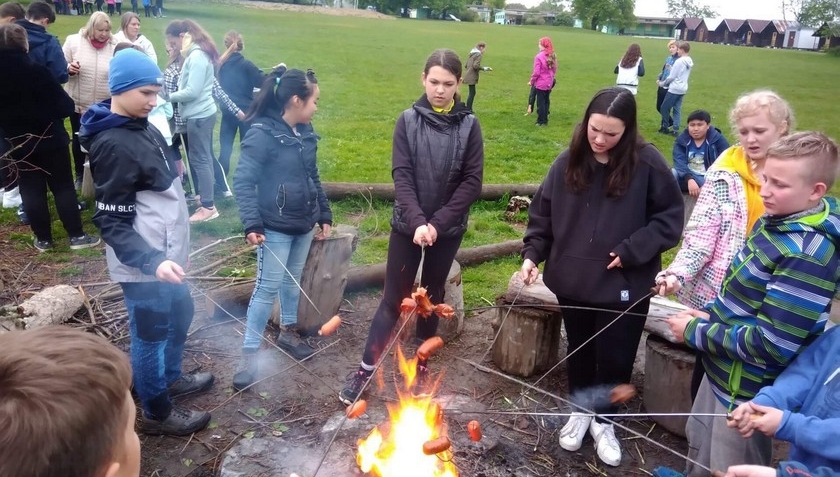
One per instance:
(131,69)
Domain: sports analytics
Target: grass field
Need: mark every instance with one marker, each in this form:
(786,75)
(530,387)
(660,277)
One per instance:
(369,71)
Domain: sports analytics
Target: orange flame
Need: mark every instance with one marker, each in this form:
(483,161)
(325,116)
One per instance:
(395,449)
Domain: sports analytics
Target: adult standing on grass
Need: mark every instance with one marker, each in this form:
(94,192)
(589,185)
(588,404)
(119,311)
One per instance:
(472,70)
(280,200)
(33,107)
(130,32)
(594,260)
(630,69)
(666,71)
(195,104)
(88,54)
(437,166)
(542,78)
(677,84)
(142,215)
(238,77)
(728,207)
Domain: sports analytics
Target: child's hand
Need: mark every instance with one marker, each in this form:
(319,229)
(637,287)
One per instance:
(750,471)
(739,419)
(254,238)
(667,284)
(324,233)
(768,419)
(432,233)
(529,272)
(616,261)
(693,188)
(170,272)
(678,323)
(422,236)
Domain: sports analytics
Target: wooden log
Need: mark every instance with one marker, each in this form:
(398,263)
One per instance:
(369,276)
(661,309)
(344,190)
(667,389)
(50,306)
(223,302)
(689,203)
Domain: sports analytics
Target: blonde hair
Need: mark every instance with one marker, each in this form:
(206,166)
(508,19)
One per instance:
(96,18)
(750,104)
(819,150)
(233,43)
(672,43)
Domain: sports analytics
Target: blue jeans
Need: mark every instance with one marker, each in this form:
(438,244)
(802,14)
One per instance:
(278,250)
(671,102)
(683,181)
(159,316)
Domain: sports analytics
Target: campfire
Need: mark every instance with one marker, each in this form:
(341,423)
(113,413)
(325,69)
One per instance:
(413,442)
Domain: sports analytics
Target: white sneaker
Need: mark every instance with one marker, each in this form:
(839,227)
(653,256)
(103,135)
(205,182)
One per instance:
(571,435)
(606,444)
(11,198)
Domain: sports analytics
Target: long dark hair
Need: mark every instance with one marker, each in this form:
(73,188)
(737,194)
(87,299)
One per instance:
(448,60)
(278,88)
(618,103)
(634,52)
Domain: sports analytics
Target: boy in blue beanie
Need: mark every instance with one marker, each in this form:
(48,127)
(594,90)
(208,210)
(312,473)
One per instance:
(142,215)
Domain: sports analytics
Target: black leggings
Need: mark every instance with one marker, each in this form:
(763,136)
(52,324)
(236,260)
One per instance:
(53,171)
(79,157)
(471,96)
(400,270)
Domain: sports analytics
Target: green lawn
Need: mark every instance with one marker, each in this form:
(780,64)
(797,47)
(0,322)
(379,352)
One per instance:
(369,71)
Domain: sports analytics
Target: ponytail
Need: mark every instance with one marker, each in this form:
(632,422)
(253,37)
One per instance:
(278,89)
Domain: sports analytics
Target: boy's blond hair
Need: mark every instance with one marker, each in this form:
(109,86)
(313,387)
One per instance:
(819,150)
(63,395)
(750,104)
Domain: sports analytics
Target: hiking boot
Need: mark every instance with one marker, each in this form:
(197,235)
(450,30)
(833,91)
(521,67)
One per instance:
(180,422)
(606,444)
(572,434)
(43,245)
(246,372)
(290,342)
(190,384)
(85,241)
(204,214)
(353,389)
(422,382)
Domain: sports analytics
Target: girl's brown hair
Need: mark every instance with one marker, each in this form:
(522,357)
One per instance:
(126,18)
(634,52)
(13,37)
(233,43)
(199,36)
(448,60)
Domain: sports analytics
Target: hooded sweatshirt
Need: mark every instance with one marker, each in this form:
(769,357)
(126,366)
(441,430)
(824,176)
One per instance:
(713,145)
(140,208)
(45,50)
(677,80)
(774,302)
(473,67)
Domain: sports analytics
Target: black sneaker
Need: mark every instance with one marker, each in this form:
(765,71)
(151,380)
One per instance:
(180,422)
(353,389)
(24,219)
(290,342)
(420,387)
(43,245)
(190,384)
(246,372)
(85,241)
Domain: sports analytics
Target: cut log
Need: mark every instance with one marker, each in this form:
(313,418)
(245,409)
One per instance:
(528,339)
(385,191)
(668,371)
(369,276)
(689,203)
(50,306)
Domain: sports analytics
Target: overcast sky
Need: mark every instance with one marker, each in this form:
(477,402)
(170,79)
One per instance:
(736,9)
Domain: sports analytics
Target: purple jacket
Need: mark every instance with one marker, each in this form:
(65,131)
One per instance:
(543,77)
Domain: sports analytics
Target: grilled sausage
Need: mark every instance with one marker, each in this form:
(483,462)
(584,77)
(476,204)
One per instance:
(474,428)
(436,446)
(357,409)
(329,327)
(429,347)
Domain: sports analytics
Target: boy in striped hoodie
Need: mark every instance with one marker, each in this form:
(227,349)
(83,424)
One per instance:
(774,301)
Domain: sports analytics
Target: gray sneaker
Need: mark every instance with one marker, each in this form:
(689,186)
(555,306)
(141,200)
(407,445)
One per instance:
(246,372)
(180,422)
(190,384)
(290,342)
(85,241)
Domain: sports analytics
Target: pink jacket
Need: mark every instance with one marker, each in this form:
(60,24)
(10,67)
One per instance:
(543,77)
(715,232)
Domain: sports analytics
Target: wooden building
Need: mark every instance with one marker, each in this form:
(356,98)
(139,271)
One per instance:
(692,29)
(750,33)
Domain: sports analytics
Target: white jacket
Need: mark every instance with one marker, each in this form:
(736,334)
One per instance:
(142,41)
(90,85)
(629,77)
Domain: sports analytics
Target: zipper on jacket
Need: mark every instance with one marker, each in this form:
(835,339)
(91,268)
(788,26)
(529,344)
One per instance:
(280,190)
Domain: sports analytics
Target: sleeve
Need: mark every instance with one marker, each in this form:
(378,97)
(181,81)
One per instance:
(796,469)
(68,49)
(116,181)
(539,237)
(56,62)
(789,390)
(256,76)
(641,67)
(680,158)
(246,178)
(402,171)
(53,104)
(702,230)
(664,206)
(222,97)
(469,189)
(537,70)
(797,295)
(477,63)
(721,144)
(149,49)
(323,203)
(674,73)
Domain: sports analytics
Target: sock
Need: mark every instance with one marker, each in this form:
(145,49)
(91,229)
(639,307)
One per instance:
(365,368)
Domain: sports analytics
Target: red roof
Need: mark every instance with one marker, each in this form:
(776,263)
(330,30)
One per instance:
(730,24)
(756,26)
(689,23)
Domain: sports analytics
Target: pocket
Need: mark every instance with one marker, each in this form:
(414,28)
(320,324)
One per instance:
(587,280)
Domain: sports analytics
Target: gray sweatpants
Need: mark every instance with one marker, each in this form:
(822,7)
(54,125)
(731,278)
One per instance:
(200,155)
(716,446)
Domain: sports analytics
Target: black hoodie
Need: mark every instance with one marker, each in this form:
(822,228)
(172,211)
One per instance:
(238,77)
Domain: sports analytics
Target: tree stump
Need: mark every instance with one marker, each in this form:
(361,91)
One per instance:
(50,306)
(528,336)
(667,389)
(223,302)
(659,311)
(453,295)
(689,203)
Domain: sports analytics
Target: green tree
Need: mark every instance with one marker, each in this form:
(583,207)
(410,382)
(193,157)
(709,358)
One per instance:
(689,8)
(816,12)
(597,13)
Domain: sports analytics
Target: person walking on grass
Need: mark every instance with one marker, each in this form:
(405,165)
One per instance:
(280,200)
(437,166)
(542,79)
(142,215)
(472,70)
(677,84)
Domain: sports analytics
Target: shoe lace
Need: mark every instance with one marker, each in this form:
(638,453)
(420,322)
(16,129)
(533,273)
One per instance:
(356,381)
(573,426)
(180,413)
(607,436)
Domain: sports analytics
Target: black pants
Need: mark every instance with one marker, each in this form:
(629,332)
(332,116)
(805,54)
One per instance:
(79,157)
(608,359)
(400,270)
(8,174)
(470,96)
(51,169)
(660,96)
(227,132)
(543,105)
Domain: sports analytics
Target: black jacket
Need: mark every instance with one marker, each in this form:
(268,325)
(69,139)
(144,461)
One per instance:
(45,50)
(31,102)
(277,186)
(437,166)
(574,233)
(238,77)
